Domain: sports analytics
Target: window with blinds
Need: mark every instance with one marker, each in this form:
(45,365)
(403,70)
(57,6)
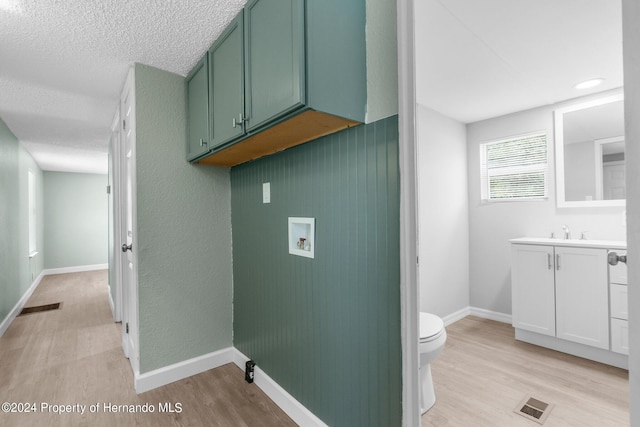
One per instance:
(515,168)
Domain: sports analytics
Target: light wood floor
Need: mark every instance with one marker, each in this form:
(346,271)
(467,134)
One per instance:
(74,356)
(483,373)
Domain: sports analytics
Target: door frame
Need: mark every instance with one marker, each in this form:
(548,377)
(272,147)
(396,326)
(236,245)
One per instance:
(116,194)
(128,301)
(409,292)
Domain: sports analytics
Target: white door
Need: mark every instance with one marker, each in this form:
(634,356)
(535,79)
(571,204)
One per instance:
(129,271)
(533,288)
(613,180)
(582,298)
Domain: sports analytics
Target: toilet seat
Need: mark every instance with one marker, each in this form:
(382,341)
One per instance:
(431,326)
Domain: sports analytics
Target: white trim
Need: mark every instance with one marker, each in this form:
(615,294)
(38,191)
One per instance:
(294,409)
(112,305)
(409,290)
(478,312)
(181,370)
(6,322)
(491,315)
(77,269)
(457,315)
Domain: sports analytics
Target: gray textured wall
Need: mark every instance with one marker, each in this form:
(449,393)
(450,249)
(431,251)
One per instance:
(184,232)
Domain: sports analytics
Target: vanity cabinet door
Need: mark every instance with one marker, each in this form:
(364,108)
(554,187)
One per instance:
(582,308)
(533,289)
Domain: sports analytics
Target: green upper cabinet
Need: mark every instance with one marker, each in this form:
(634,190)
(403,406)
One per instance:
(284,72)
(275,59)
(197,87)
(226,92)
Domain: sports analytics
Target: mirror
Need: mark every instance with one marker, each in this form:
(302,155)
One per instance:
(589,139)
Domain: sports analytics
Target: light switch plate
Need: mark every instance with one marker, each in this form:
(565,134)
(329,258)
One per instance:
(266,192)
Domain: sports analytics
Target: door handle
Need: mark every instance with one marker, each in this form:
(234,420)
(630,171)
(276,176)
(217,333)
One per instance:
(613,258)
(126,247)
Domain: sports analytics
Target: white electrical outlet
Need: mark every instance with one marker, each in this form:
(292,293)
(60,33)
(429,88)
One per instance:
(266,192)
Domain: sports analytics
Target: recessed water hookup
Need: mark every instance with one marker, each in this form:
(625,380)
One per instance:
(302,236)
(248,371)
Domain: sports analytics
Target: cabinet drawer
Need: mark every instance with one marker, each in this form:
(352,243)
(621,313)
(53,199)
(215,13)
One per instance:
(619,301)
(620,336)
(618,272)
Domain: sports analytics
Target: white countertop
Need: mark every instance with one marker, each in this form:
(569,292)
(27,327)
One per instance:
(577,243)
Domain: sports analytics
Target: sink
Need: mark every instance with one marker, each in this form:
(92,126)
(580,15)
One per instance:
(608,244)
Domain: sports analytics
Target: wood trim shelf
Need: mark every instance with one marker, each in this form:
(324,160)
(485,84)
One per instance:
(304,127)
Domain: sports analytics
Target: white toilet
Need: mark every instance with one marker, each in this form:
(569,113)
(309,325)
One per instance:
(432,339)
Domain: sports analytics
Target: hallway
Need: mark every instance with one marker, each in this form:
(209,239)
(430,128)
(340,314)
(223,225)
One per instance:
(73,356)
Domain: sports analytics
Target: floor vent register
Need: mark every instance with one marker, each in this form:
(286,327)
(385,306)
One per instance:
(534,409)
(40,308)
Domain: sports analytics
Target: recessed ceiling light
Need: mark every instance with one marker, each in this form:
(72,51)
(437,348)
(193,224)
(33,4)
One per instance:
(12,6)
(589,83)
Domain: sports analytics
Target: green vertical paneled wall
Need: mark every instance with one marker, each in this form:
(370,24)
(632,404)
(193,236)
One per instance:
(326,329)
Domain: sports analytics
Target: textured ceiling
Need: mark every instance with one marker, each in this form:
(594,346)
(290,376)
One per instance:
(64,62)
(481,59)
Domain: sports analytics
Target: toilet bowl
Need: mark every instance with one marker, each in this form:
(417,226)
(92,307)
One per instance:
(432,338)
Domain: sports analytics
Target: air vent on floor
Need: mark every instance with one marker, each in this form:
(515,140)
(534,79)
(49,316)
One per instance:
(534,409)
(40,308)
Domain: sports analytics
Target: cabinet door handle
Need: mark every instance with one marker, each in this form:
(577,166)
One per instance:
(557,261)
(202,142)
(240,120)
(549,261)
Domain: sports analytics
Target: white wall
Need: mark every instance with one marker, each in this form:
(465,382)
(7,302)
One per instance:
(443,226)
(493,224)
(580,180)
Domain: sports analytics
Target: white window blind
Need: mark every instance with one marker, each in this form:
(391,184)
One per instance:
(514,168)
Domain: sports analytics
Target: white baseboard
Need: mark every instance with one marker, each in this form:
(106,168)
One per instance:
(20,305)
(181,370)
(78,269)
(294,409)
(475,311)
(455,316)
(491,315)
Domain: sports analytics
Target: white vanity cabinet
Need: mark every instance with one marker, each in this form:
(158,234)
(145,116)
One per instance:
(561,292)
(563,298)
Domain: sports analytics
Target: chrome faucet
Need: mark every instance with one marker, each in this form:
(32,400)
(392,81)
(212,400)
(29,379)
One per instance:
(567,232)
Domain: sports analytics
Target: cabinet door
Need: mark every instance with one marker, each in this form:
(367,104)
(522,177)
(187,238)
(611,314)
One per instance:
(274,59)
(532,288)
(226,101)
(582,307)
(197,88)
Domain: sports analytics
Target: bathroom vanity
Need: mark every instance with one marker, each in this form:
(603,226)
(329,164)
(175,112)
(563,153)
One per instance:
(566,296)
